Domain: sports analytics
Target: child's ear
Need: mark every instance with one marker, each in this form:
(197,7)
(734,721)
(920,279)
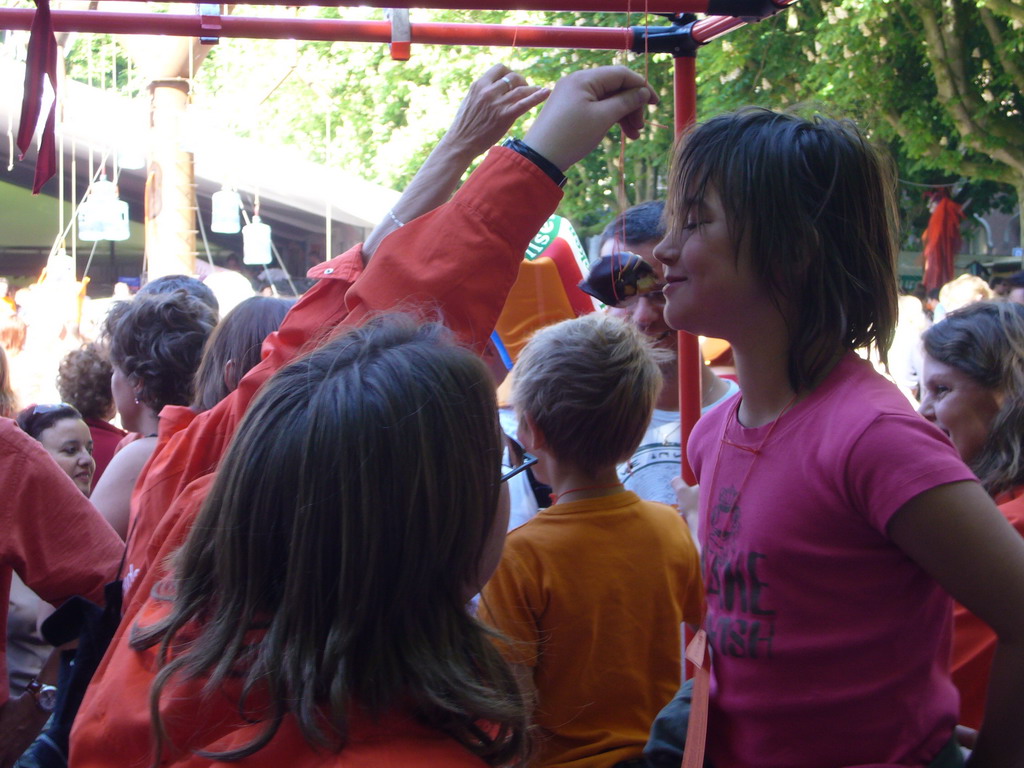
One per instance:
(530,435)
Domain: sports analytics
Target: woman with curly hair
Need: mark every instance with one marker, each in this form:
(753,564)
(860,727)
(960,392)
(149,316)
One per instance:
(973,390)
(83,381)
(156,343)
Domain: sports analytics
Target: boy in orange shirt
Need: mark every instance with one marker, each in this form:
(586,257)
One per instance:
(591,592)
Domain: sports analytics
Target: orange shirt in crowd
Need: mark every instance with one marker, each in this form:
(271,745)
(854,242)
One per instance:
(593,593)
(49,532)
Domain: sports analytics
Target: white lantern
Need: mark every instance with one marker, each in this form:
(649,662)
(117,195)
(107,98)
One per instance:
(256,242)
(103,215)
(225,216)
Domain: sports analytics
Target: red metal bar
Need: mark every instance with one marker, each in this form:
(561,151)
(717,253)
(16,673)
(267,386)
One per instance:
(689,362)
(689,348)
(99,22)
(712,27)
(614,6)
(428,33)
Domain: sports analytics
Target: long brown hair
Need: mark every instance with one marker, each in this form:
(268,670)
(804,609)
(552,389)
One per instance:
(347,519)
(985,341)
(814,204)
(237,339)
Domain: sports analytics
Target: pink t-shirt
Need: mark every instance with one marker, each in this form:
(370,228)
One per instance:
(830,646)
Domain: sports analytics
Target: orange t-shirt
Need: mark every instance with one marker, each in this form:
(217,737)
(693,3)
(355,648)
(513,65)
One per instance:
(974,642)
(593,594)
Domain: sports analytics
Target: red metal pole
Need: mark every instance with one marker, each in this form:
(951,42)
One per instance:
(99,22)
(689,348)
(712,27)
(428,33)
(619,6)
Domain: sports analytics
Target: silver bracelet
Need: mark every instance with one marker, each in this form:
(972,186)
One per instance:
(395,219)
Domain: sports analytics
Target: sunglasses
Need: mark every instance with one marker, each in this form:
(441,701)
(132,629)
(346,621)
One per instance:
(509,472)
(40,409)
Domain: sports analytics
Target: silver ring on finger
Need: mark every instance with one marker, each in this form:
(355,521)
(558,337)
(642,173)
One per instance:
(507,82)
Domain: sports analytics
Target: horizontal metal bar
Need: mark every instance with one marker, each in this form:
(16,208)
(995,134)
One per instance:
(102,22)
(620,6)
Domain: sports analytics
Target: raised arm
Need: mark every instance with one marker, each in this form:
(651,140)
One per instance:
(462,258)
(494,102)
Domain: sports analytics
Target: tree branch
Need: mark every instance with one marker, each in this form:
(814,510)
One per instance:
(992,172)
(1008,63)
(945,56)
(1008,8)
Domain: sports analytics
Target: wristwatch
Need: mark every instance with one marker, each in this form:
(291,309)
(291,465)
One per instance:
(45,695)
(524,149)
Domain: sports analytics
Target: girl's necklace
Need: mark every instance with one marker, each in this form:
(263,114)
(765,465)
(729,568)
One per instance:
(755,451)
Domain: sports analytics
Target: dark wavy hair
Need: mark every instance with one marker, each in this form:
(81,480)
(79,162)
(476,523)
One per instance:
(985,341)
(83,380)
(157,342)
(36,419)
(814,204)
(237,339)
(197,289)
(346,522)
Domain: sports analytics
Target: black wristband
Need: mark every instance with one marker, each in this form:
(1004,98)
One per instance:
(535,157)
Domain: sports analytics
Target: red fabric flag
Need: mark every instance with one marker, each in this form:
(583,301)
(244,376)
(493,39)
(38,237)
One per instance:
(941,240)
(41,64)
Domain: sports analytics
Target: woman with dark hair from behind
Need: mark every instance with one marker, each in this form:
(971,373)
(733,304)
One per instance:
(234,348)
(156,342)
(973,390)
(83,381)
(288,633)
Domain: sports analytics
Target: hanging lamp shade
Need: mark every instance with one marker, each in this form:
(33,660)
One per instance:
(103,215)
(256,242)
(226,214)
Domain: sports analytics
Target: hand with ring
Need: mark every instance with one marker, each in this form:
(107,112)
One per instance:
(494,102)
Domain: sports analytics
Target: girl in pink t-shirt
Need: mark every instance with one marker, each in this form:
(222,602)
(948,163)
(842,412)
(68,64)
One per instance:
(834,521)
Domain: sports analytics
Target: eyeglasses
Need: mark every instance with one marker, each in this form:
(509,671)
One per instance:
(508,472)
(655,297)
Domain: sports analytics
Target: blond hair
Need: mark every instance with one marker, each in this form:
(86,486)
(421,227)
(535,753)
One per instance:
(962,291)
(590,385)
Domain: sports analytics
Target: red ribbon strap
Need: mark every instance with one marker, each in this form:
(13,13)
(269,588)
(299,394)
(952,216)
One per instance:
(41,63)
(697,729)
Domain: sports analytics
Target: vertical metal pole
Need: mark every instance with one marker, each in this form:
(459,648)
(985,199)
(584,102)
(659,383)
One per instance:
(689,348)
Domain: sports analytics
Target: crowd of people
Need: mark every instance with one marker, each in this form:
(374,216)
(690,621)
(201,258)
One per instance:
(303,533)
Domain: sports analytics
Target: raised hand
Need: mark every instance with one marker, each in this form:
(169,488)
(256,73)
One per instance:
(582,108)
(494,102)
